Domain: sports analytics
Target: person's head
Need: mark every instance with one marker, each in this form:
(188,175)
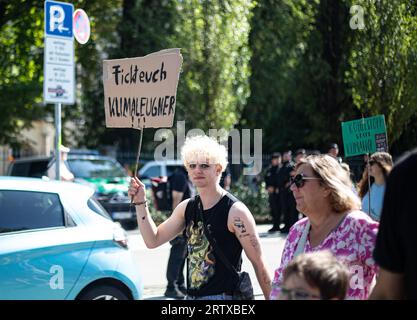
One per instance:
(320,183)
(64,152)
(287,156)
(333,149)
(276,159)
(300,154)
(380,164)
(315,275)
(205,160)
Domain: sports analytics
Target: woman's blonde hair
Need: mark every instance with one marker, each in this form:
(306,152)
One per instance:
(204,149)
(336,179)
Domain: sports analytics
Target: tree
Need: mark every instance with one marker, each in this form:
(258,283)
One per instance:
(21,68)
(383,67)
(213,86)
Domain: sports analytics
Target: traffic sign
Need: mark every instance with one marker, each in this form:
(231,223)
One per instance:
(58,19)
(81,25)
(59,81)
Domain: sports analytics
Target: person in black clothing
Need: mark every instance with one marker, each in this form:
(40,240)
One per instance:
(214,210)
(181,190)
(395,250)
(226,179)
(288,206)
(271,184)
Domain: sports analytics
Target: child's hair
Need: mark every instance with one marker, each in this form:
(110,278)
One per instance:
(321,270)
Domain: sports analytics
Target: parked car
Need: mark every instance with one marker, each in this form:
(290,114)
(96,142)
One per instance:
(105,174)
(35,167)
(111,182)
(57,242)
(156,169)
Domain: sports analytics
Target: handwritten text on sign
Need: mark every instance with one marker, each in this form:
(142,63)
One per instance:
(366,135)
(141,92)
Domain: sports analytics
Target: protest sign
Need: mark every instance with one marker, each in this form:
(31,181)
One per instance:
(363,136)
(141,92)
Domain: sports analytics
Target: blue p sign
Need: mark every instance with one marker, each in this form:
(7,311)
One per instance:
(58,19)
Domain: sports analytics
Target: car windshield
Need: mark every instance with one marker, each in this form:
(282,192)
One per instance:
(96,168)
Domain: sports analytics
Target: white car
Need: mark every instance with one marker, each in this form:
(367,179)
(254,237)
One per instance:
(156,169)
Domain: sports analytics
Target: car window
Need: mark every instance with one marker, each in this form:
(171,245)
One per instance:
(171,169)
(94,205)
(96,168)
(30,168)
(26,210)
(153,171)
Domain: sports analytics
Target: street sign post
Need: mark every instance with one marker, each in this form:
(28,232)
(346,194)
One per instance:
(59,82)
(59,79)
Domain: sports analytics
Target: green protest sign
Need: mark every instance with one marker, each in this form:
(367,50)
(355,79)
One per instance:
(366,135)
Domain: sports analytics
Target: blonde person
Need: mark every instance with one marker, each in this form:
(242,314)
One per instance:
(314,276)
(323,192)
(228,220)
(380,165)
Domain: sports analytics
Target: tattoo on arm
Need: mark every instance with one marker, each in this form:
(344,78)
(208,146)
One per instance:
(240,225)
(254,241)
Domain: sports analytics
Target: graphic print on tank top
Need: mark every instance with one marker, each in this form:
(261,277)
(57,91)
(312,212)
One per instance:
(201,260)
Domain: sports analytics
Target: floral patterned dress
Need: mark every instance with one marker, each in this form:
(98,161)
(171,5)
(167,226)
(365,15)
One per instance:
(353,242)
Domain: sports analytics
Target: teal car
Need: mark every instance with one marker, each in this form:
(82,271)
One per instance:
(57,242)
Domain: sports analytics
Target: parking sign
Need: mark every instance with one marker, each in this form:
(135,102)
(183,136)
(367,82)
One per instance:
(59,80)
(58,19)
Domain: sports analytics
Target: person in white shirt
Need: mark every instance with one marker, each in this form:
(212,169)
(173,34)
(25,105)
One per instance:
(65,173)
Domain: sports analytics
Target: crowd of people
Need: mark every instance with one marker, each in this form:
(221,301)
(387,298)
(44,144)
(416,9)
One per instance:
(348,237)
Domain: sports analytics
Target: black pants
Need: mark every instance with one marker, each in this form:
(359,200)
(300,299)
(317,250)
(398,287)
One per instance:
(275,206)
(176,262)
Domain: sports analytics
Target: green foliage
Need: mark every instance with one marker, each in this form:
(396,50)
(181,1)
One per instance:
(213,36)
(21,67)
(383,65)
(255,200)
(291,67)
(310,70)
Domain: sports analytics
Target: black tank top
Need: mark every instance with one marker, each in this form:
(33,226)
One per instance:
(206,273)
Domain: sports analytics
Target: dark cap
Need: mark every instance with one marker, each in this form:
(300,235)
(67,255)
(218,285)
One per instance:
(276,155)
(300,151)
(333,146)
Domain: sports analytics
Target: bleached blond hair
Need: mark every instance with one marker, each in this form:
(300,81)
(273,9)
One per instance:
(204,149)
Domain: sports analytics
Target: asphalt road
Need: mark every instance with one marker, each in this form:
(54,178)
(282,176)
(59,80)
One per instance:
(152,262)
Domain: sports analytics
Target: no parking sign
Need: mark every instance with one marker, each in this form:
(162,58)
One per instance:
(81,26)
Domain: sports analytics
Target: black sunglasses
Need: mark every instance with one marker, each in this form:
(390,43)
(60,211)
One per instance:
(299,180)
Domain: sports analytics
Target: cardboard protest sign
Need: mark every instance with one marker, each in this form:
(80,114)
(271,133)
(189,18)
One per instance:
(141,92)
(367,135)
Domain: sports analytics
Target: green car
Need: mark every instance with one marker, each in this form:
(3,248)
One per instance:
(111,182)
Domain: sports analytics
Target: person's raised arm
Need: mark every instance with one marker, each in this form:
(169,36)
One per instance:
(242,224)
(152,235)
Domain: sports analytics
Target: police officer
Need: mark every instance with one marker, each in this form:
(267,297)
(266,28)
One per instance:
(271,182)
